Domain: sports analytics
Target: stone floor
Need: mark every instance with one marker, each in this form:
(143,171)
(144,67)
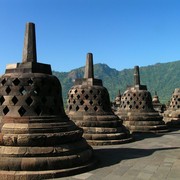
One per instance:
(149,157)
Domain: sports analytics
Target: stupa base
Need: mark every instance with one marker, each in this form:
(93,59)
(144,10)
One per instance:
(172,122)
(146,127)
(104,130)
(47,174)
(172,118)
(109,142)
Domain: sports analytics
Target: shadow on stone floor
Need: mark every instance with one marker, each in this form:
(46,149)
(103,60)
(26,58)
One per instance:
(141,136)
(110,156)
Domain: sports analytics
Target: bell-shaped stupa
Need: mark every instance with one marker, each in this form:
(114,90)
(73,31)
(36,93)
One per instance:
(89,107)
(37,139)
(116,102)
(172,114)
(137,111)
(157,105)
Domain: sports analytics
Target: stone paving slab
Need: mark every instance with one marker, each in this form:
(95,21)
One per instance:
(150,157)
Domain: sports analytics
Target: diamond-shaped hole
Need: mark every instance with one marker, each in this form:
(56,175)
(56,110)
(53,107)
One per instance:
(76,91)
(99,103)
(29,101)
(90,102)
(81,102)
(95,108)
(71,95)
(2,100)
(130,106)
(86,108)
(77,108)
(16,81)
(14,100)
(78,96)
(91,91)
(86,96)
(98,92)
(22,90)
(8,90)
(74,102)
(5,110)
(36,90)
(83,91)
(70,107)
(95,96)
(44,100)
(3,82)
(30,81)
(21,111)
(38,110)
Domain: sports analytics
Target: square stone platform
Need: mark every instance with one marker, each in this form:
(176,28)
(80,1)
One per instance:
(150,157)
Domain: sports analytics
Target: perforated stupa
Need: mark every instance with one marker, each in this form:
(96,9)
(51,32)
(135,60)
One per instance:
(157,105)
(172,114)
(37,139)
(89,107)
(137,111)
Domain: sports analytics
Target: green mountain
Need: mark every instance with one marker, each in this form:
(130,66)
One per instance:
(161,77)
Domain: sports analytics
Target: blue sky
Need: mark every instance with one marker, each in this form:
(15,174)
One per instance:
(120,33)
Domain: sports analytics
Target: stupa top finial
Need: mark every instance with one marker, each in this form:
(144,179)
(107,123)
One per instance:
(29,60)
(89,70)
(29,49)
(136,75)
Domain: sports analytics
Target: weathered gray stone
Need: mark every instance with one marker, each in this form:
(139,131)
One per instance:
(37,139)
(157,105)
(172,115)
(137,111)
(89,107)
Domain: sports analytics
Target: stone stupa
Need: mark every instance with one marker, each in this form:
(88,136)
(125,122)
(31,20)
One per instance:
(117,102)
(137,111)
(172,114)
(89,107)
(157,105)
(37,139)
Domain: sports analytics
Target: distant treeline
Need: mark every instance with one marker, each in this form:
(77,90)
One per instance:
(161,77)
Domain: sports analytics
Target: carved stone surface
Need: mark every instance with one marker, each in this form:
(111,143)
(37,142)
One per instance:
(89,107)
(37,139)
(172,114)
(137,111)
(157,105)
(117,102)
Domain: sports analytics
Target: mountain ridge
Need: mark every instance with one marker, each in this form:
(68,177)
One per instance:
(160,77)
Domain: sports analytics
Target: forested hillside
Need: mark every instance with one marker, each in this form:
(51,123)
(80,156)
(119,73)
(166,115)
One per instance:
(161,77)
